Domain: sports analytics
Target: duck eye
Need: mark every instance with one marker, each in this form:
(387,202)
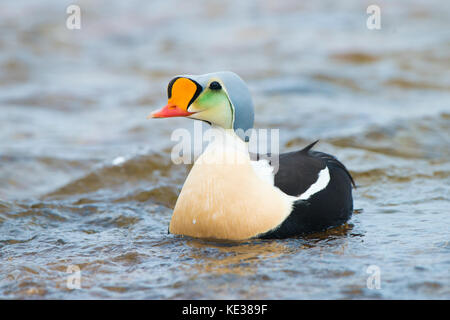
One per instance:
(215,85)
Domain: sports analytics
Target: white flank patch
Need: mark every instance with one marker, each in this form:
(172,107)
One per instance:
(320,184)
(264,171)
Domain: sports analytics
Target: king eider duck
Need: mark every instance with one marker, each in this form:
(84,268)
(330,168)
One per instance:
(244,198)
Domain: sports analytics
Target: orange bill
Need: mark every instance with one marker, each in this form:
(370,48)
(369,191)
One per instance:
(182,92)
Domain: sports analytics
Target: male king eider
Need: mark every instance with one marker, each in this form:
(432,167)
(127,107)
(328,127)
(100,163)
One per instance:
(242,199)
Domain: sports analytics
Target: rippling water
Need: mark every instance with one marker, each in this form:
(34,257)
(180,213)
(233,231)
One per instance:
(86,181)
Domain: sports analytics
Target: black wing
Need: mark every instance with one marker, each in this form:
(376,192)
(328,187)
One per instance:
(327,208)
(298,170)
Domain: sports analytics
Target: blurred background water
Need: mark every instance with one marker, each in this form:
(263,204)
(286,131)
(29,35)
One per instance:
(86,180)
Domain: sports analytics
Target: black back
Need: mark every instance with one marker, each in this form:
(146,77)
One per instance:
(327,208)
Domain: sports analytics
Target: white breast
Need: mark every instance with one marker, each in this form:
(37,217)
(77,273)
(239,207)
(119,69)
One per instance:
(227,195)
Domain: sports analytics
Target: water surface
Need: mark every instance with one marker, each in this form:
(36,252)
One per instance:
(86,181)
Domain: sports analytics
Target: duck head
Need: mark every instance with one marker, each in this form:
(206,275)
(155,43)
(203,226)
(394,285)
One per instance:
(220,98)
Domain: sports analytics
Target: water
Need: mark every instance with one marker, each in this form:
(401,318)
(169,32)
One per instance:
(87,181)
